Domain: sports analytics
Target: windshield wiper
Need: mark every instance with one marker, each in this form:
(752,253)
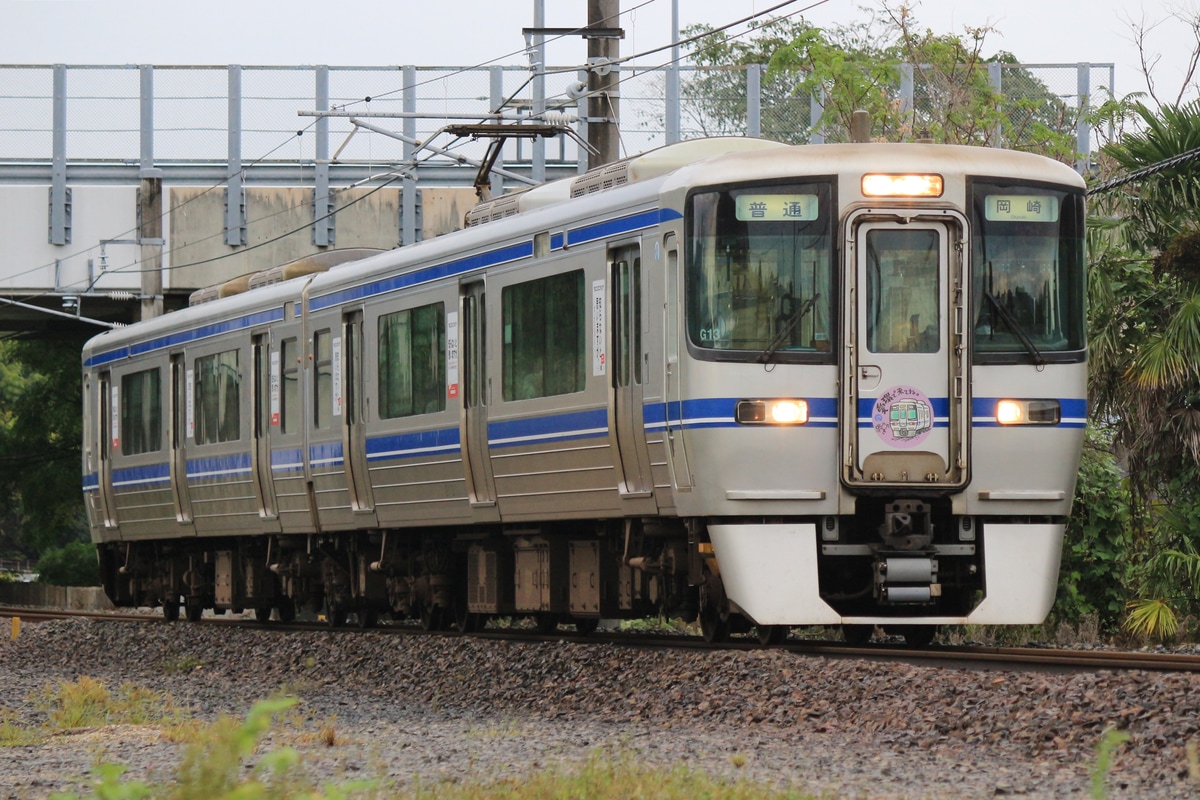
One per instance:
(786,331)
(1011,323)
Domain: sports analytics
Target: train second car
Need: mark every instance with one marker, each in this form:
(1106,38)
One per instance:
(729,379)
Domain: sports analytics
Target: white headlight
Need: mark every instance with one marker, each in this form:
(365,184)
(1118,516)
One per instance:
(784,411)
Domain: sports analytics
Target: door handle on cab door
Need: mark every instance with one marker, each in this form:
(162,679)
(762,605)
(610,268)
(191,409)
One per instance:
(869,376)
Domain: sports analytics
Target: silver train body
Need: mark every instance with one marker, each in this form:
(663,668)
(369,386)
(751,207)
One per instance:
(729,379)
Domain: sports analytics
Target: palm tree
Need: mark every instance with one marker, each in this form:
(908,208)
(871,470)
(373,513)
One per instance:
(1145,286)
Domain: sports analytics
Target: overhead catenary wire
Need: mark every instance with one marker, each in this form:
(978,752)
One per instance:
(1146,172)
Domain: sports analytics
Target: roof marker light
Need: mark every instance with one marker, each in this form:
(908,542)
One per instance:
(881,185)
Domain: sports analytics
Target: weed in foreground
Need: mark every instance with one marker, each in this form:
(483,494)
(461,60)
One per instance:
(216,766)
(88,703)
(1109,742)
(14,734)
(604,778)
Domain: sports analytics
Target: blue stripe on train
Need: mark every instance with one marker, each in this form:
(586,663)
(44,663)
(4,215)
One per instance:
(141,476)
(559,427)
(219,467)
(718,412)
(183,337)
(1074,412)
(446,269)
(408,445)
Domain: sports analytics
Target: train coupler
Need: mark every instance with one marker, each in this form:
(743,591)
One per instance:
(906,580)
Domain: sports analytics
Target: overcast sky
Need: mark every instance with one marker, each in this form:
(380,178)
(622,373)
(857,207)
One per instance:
(468,32)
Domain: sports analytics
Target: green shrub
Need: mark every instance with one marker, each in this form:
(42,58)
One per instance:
(74,564)
(1094,578)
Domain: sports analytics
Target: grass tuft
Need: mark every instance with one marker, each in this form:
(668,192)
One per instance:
(1108,745)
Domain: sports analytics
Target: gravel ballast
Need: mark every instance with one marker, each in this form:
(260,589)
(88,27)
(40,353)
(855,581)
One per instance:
(434,708)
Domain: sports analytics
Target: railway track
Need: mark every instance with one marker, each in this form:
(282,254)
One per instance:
(974,656)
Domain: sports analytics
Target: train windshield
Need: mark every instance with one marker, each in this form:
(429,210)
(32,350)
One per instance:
(760,273)
(1027,273)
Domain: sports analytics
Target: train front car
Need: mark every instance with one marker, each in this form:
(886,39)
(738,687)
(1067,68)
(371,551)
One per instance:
(876,390)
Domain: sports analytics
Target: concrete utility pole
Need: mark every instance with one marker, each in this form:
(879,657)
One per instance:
(150,214)
(603,83)
(150,205)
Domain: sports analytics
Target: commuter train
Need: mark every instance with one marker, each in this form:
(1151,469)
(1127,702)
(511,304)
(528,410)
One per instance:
(731,380)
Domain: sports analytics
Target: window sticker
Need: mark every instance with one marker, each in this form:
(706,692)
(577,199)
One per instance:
(452,355)
(599,328)
(337,376)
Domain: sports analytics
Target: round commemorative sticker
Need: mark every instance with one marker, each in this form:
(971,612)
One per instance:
(902,416)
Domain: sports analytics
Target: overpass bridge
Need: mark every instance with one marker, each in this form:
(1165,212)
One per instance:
(125,188)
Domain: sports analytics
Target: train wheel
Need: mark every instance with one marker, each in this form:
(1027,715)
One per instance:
(468,622)
(918,635)
(546,623)
(193,610)
(367,618)
(464,620)
(431,617)
(714,629)
(171,610)
(857,634)
(771,634)
(586,626)
(287,610)
(335,616)
(262,614)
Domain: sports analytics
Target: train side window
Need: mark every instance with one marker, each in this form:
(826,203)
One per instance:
(141,412)
(218,398)
(289,411)
(544,324)
(412,362)
(323,385)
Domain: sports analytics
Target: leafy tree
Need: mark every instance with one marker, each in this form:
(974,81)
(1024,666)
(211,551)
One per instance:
(714,99)
(40,434)
(859,66)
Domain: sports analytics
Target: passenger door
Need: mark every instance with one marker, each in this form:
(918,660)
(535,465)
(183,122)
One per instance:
(107,420)
(180,395)
(260,409)
(474,421)
(354,439)
(625,407)
(906,384)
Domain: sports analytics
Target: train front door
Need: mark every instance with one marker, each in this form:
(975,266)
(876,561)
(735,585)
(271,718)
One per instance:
(904,321)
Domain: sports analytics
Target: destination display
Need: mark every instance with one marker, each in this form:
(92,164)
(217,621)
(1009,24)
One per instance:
(1021,208)
(777,207)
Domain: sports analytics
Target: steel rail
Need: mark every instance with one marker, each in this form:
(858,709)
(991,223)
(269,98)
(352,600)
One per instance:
(960,655)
